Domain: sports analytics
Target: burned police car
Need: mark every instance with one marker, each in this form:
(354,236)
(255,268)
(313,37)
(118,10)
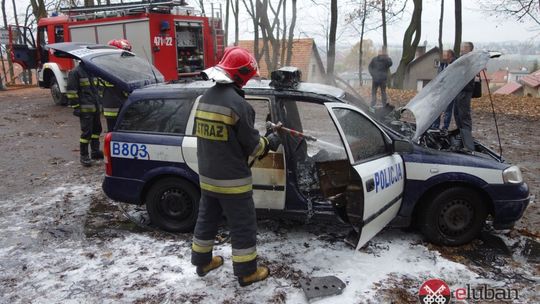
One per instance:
(336,158)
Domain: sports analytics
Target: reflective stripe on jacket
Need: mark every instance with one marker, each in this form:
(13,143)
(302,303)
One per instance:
(226,137)
(82,90)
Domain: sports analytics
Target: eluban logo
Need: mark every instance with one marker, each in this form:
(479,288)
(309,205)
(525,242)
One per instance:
(434,291)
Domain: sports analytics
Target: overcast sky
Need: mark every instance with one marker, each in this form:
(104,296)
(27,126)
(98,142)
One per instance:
(477,25)
(312,19)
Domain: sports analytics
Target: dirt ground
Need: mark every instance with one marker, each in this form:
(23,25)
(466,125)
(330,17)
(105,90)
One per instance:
(61,239)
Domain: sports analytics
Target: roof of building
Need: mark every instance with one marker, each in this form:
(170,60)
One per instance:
(303,49)
(423,56)
(509,88)
(500,76)
(531,80)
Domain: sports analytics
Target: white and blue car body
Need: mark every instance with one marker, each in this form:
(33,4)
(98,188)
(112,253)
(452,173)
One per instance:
(369,171)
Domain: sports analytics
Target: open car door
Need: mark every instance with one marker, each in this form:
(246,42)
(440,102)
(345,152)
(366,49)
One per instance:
(23,46)
(122,68)
(381,171)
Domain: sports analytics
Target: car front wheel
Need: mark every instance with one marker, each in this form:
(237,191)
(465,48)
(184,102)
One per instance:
(453,217)
(58,97)
(173,204)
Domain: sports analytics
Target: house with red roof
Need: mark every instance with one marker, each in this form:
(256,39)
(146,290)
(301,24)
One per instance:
(498,79)
(511,88)
(531,84)
(305,56)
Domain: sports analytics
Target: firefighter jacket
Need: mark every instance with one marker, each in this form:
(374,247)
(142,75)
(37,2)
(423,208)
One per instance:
(226,138)
(112,99)
(82,90)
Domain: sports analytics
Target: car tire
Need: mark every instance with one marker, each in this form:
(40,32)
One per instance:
(173,204)
(453,217)
(58,97)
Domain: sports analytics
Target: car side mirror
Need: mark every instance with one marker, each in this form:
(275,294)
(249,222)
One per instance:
(402,146)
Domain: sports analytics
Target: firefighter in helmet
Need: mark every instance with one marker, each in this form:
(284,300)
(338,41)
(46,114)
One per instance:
(226,138)
(112,97)
(83,97)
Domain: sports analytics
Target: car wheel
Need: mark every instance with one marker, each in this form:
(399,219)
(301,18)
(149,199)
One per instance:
(453,217)
(58,98)
(173,204)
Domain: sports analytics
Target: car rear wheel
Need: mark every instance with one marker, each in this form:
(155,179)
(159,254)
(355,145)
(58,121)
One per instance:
(173,204)
(453,217)
(58,97)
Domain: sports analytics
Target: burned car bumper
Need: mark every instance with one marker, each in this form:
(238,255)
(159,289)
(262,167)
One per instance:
(509,203)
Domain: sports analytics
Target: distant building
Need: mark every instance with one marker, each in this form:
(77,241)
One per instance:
(516,75)
(531,84)
(498,79)
(511,88)
(353,80)
(422,69)
(305,56)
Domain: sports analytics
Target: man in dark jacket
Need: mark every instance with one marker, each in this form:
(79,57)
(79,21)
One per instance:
(83,96)
(226,138)
(462,108)
(378,69)
(448,57)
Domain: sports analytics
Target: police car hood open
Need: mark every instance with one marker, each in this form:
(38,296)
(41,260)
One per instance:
(433,99)
(119,67)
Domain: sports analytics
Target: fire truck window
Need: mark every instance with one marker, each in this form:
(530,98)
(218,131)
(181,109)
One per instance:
(58,33)
(262,113)
(363,137)
(157,116)
(189,46)
(42,41)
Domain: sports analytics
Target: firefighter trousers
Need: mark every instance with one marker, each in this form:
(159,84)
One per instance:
(90,127)
(111,122)
(242,222)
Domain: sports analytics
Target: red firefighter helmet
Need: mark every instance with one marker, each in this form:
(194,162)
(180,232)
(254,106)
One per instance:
(121,44)
(237,65)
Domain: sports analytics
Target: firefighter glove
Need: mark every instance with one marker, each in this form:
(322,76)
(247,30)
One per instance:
(273,141)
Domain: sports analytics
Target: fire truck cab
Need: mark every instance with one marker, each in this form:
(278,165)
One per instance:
(172,37)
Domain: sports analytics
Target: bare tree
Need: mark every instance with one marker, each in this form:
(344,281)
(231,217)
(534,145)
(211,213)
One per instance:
(291,34)
(519,9)
(10,63)
(236,12)
(227,11)
(361,13)
(410,43)
(383,18)
(331,55)
(38,8)
(458,27)
(251,9)
(441,27)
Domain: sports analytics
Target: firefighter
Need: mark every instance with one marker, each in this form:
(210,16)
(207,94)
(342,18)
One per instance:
(83,96)
(226,138)
(112,97)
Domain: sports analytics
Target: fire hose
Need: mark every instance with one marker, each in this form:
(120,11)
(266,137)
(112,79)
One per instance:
(279,127)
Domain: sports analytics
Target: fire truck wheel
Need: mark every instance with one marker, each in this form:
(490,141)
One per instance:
(453,217)
(58,98)
(173,204)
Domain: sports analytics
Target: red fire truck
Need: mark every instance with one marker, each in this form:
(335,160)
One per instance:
(170,35)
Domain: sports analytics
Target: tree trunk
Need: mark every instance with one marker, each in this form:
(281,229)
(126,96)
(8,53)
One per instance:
(291,34)
(331,55)
(201,5)
(409,44)
(457,39)
(88,3)
(283,43)
(10,63)
(441,19)
(383,13)
(236,25)
(361,46)
(227,12)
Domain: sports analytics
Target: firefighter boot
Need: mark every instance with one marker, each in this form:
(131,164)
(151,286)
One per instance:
(85,159)
(96,153)
(216,262)
(260,274)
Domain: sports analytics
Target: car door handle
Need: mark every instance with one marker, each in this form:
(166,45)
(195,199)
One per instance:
(370,185)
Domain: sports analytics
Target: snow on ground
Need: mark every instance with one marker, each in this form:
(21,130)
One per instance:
(63,245)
